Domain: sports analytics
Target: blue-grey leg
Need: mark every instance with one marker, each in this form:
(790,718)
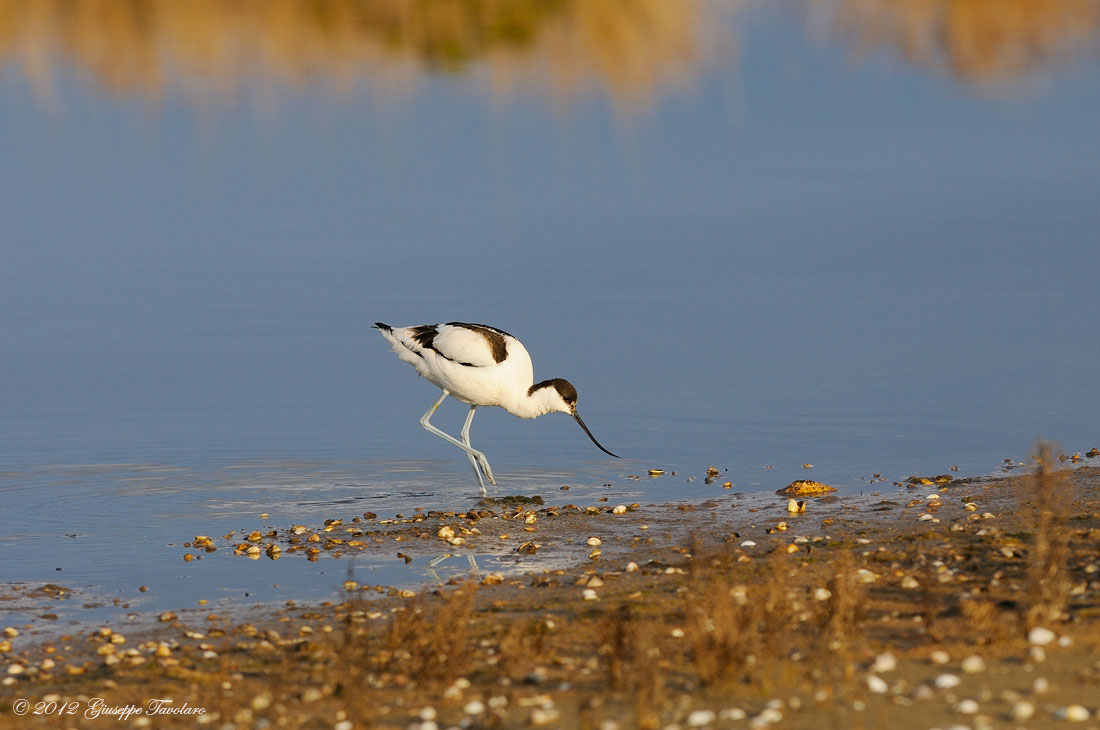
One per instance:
(425,421)
(480,459)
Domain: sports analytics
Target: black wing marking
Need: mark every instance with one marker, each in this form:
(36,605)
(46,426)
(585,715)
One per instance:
(492,335)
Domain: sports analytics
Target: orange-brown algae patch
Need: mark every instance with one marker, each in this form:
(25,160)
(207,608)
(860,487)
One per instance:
(805,488)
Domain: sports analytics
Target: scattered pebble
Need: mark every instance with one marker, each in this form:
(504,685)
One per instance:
(1074,713)
(1023,710)
(865,576)
(939,656)
(771,715)
(947,681)
(699,718)
(967,707)
(544,716)
(589,594)
(1040,636)
(973,664)
(877,684)
(885,662)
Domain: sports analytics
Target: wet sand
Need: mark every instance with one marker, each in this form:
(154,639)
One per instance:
(972,603)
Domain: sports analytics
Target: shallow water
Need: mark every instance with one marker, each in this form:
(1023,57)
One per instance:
(755,236)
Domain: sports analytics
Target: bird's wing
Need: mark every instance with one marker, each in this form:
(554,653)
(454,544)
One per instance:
(476,345)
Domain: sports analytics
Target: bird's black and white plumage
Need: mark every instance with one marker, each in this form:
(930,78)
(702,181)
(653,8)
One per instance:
(482,366)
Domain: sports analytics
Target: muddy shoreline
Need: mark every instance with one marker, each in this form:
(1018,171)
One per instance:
(730,613)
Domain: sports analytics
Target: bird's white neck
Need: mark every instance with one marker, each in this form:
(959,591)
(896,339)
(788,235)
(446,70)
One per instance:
(541,402)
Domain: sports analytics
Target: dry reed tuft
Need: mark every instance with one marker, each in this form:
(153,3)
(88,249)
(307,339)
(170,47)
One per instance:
(631,654)
(1048,583)
(842,612)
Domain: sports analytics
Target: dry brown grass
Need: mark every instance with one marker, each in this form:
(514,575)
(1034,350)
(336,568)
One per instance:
(712,626)
(1048,580)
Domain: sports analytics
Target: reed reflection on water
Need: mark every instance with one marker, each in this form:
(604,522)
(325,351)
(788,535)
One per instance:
(631,50)
(211,48)
(977,41)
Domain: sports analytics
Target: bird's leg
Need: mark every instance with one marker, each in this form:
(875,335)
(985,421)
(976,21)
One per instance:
(430,567)
(426,423)
(481,457)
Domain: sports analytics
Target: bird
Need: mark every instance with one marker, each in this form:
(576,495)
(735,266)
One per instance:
(481,366)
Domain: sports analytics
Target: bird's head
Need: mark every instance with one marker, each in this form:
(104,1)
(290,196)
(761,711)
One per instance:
(559,395)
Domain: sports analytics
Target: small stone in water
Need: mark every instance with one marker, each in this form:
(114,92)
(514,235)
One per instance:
(939,656)
(474,707)
(589,594)
(619,509)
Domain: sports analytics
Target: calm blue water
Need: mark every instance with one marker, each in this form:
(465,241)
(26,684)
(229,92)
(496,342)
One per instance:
(803,253)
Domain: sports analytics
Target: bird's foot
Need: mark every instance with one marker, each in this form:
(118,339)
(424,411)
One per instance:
(485,469)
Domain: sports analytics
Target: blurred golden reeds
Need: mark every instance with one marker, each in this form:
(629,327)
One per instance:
(977,41)
(629,49)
